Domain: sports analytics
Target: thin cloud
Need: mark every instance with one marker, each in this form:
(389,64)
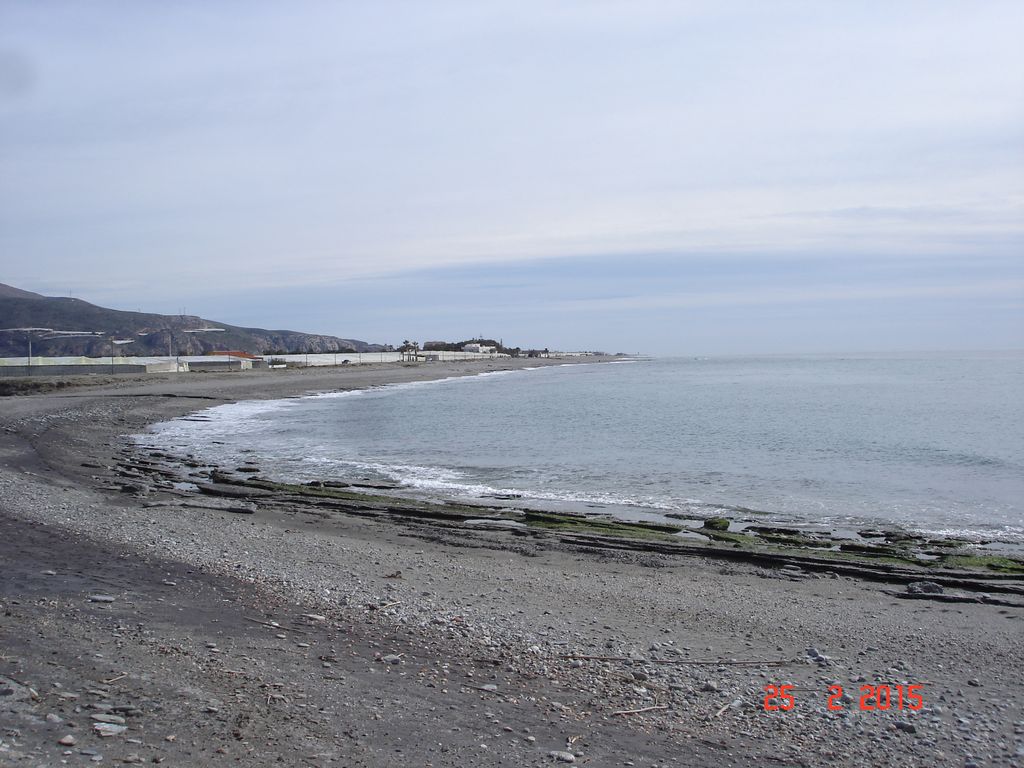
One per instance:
(801,296)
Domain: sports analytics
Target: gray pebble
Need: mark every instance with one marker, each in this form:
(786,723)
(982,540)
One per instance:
(562,756)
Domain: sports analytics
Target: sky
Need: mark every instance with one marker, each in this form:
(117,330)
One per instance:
(665,177)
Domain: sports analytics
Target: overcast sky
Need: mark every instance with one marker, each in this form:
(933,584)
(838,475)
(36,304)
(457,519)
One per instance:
(674,177)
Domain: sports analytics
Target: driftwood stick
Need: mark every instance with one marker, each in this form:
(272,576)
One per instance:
(275,625)
(715,663)
(638,711)
(484,690)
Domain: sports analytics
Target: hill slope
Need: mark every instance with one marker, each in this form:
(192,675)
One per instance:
(152,334)
(10,292)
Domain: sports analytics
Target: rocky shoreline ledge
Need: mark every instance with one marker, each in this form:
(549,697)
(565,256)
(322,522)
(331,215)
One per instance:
(340,626)
(892,555)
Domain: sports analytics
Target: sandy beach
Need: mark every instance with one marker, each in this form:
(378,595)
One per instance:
(141,625)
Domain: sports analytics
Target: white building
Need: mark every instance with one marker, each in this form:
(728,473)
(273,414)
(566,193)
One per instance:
(479,348)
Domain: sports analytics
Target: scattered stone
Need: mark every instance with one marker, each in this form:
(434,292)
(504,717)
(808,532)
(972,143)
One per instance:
(49,573)
(710,686)
(490,687)
(101,599)
(54,719)
(974,682)
(924,588)
(391,658)
(109,729)
(314,617)
(67,741)
(562,756)
(105,718)
(818,656)
(906,727)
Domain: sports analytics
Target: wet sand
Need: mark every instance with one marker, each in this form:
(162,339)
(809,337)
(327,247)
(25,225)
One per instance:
(306,635)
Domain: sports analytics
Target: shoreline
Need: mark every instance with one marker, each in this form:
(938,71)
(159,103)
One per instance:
(864,540)
(614,653)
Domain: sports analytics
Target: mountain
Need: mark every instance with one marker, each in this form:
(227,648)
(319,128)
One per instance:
(151,334)
(10,292)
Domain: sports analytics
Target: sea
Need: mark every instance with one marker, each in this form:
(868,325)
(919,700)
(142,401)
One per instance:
(928,442)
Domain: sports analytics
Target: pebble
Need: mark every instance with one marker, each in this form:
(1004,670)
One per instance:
(109,729)
(391,658)
(562,756)
(906,727)
(67,741)
(105,718)
(710,686)
(101,599)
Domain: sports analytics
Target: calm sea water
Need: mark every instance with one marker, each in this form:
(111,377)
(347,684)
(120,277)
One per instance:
(933,442)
